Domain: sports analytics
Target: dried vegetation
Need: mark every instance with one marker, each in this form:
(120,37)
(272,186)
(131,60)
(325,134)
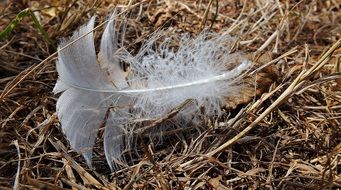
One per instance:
(283,133)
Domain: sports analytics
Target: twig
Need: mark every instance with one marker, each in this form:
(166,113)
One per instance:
(81,171)
(17,176)
(166,117)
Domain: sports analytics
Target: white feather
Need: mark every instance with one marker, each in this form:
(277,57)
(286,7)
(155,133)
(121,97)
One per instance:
(159,80)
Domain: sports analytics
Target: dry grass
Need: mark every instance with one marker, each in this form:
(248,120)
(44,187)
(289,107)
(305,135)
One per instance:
(284,133)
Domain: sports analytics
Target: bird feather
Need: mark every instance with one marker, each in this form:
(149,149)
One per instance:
(96,91)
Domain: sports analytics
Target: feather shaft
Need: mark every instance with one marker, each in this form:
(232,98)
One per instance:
(226,76)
